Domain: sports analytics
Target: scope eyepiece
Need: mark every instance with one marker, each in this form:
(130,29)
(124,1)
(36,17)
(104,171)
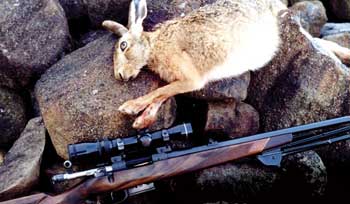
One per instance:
(102,151)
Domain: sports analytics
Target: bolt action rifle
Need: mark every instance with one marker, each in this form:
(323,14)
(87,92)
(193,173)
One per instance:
(132,174)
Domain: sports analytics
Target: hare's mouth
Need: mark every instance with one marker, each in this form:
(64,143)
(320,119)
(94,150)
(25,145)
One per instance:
(125,76)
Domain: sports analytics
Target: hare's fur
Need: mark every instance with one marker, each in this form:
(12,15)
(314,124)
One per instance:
(217,41)
(220,40)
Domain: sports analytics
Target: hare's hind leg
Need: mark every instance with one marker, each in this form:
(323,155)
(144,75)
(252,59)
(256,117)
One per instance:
(342,53)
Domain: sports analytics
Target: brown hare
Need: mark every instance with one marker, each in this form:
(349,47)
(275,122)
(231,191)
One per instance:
(220,40)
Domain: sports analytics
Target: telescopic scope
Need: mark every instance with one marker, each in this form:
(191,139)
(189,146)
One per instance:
(103,150)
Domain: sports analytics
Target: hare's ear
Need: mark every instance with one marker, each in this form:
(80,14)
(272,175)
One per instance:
(137,13)
(115,27)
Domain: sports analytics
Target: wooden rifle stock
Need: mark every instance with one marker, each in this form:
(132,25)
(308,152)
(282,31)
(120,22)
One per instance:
(158,170)
(32,199)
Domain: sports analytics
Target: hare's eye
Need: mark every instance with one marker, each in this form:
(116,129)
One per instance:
(123,45)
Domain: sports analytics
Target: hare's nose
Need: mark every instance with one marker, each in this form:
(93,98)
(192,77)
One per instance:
(122,77)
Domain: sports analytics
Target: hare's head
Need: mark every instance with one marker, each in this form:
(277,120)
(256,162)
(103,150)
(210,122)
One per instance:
(132,50)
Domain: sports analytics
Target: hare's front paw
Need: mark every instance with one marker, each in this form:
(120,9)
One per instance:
(148,117)
(144,121)
(132,107)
